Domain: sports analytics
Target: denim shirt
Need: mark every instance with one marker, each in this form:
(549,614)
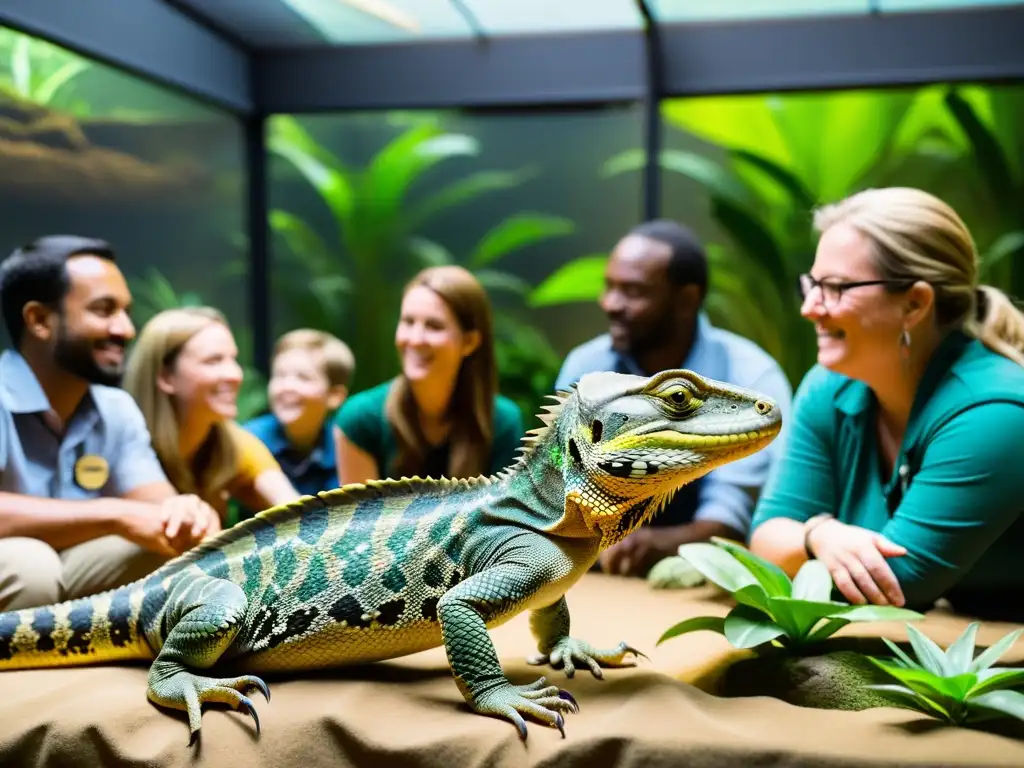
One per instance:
(310,473)
(726,495)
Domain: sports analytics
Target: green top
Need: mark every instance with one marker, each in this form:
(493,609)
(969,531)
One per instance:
(955,496)
(365,424)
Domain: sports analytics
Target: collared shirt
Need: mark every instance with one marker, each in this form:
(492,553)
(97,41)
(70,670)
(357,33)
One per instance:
(310,472)
(36,461)
(953,498)
(727,494)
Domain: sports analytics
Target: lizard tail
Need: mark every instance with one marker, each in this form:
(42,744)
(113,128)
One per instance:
(90,630)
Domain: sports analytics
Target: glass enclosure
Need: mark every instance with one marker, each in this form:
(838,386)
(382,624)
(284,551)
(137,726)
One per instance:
(361,202)
(530,199)
(87,149)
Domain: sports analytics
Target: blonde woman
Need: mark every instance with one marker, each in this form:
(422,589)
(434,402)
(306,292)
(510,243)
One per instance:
(902,461)
(183,372)
(442,415)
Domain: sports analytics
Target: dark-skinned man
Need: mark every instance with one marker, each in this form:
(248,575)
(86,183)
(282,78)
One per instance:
(655,283)
(84,503)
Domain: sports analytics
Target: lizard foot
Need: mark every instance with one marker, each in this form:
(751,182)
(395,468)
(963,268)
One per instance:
(546,703)
(570,653)
(187,691)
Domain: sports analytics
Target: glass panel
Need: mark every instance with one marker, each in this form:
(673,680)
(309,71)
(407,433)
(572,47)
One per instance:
(375,21)
(522,199)
(722,10)
(746,171)
(933,5)
(87,149)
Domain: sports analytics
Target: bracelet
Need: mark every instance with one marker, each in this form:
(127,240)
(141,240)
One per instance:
(810,525)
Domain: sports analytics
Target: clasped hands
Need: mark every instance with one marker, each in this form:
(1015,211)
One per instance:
(180,523)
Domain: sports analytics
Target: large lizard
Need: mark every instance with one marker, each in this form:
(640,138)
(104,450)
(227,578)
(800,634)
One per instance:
(387,568)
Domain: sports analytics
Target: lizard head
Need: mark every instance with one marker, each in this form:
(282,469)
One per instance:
(628,443)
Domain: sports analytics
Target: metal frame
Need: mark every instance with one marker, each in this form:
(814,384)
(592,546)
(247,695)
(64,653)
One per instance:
(156,40)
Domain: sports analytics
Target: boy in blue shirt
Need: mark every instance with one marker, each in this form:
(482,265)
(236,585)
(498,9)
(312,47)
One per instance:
(309,377)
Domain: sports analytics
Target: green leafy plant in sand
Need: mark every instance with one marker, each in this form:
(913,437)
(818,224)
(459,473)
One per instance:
(771,608)
(955,685)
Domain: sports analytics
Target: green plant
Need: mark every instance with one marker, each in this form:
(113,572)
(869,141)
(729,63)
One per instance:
(955,685)
(771,608)
(353,286)
(40,71)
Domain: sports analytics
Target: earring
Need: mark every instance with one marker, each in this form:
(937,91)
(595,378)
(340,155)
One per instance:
(905,343)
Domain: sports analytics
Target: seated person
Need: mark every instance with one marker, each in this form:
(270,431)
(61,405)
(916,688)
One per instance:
(184,374)
(309,375)
(655,283)
(442,415)
(901,464)
(84,504)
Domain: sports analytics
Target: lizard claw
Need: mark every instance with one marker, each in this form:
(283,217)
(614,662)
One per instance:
(545,703)
(568,697)
(245,705)
(181,689)
(569,652)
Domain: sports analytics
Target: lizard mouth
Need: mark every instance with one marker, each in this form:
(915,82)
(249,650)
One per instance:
(638,456)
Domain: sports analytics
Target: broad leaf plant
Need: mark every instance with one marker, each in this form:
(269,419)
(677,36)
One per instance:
(771,608)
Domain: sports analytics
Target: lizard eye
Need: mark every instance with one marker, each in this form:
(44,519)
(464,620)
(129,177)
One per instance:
(679,398)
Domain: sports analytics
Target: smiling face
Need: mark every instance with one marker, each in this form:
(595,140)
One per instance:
(298,390)
(641,302)
(429,340)
(93,327)
(859,330)
(205,377)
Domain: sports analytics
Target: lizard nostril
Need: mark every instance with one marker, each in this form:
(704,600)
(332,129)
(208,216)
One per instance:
(596,430)
(763,407)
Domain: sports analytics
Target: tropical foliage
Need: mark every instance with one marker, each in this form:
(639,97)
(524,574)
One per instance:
(351,284)
(955,686)
(770,608)
(762,163)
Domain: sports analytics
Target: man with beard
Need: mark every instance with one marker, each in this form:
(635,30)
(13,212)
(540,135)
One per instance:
(84,503)
(655,283)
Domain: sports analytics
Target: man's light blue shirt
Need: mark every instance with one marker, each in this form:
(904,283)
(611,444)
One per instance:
(34,461)
(726,495)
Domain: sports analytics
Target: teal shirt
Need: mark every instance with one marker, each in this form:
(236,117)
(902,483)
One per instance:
(955,496)
(362,419)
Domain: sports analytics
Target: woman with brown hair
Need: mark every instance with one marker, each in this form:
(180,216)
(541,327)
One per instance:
(442,415)
(184,374)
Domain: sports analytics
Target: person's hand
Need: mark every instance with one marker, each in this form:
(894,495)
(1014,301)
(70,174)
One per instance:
(187,521)
(168,528)
(855,557)
(635,555)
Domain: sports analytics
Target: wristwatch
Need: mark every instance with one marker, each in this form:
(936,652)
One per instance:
(810,525)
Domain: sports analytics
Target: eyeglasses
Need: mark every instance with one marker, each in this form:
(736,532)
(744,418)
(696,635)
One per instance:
(832,290)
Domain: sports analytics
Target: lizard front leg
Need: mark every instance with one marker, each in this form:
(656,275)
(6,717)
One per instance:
(463,613)
(203,616)
(550,626)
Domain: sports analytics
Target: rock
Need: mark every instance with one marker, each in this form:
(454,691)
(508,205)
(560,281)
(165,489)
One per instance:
(832,680)
(674,573)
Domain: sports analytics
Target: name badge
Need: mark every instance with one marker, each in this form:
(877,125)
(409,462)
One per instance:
(92,472)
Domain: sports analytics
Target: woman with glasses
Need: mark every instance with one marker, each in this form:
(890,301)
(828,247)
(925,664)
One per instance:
(902,468)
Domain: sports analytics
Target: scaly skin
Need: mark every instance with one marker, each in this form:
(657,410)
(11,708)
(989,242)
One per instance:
(388,568)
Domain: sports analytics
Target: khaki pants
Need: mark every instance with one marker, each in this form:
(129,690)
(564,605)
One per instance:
(32,573)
